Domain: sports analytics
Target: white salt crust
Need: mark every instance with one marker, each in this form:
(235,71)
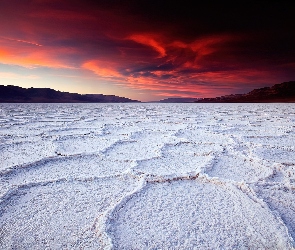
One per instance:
(147,176)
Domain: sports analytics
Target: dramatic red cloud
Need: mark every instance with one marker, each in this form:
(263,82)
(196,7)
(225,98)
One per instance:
(148,40)
(176,73)
(167,52)
(205,45)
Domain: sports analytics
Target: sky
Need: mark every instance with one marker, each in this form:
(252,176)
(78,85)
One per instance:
(147,50)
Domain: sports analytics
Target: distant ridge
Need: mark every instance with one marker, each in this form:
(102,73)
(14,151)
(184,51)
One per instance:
(284,92)
(179,100)
(16,94)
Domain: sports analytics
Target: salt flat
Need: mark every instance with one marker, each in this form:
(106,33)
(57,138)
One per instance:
(147,176)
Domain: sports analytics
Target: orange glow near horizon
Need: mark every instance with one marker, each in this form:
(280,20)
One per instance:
(100,69)
(32,55)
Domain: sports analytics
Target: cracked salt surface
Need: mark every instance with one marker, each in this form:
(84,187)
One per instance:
(147,176)
(194,214)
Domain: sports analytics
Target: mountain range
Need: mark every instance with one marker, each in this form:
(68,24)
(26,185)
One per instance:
(284,92)
(16,94)
(179,100)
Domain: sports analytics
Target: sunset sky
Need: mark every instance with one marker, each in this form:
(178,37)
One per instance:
(146,50)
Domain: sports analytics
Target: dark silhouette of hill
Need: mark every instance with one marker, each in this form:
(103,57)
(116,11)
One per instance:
(178,100)
(16,94)
(284,92)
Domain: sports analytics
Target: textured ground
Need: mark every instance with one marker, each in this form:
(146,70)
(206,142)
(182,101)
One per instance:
(147,176)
